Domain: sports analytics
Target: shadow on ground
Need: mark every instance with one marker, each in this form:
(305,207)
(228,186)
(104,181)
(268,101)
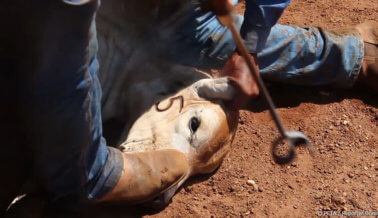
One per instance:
(286,96)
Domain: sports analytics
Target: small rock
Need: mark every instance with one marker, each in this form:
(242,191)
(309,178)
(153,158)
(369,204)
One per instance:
(251,182)
(256,187)
(344,194)
(295,207)
(350,175)
(345,122)
(365,168)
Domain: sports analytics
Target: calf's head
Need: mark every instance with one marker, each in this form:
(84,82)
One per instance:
(194,121)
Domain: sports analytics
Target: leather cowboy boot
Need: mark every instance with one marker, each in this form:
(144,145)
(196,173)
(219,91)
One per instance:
(369,70)
(147,175)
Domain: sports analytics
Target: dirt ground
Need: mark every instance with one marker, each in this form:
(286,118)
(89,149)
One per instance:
(342,127)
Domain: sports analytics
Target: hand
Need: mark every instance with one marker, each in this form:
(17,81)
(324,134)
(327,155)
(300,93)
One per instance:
(237,70)
(218,7)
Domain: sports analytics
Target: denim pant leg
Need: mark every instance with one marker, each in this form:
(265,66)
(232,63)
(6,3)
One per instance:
(196,39)
(54,73)
(103,164)
(311,57)
(52,64)
(293,55)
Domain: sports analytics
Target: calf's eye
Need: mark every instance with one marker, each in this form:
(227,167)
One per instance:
(194,123)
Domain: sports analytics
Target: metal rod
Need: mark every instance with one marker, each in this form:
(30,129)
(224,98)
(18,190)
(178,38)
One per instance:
(254,71)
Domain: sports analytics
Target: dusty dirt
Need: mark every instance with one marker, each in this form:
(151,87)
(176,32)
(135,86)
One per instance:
(341,124)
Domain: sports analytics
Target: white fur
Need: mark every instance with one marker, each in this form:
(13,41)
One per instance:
(219,88)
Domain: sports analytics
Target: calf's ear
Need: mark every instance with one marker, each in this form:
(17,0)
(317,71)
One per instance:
(218,89)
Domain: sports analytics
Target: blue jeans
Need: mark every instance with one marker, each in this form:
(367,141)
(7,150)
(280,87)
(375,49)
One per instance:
(50,87)
(292,55)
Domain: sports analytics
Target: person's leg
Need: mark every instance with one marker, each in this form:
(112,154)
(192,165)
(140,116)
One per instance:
(103,164)
(303,56)
(311,56)
(195,39)
(58,105)
(56,81)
